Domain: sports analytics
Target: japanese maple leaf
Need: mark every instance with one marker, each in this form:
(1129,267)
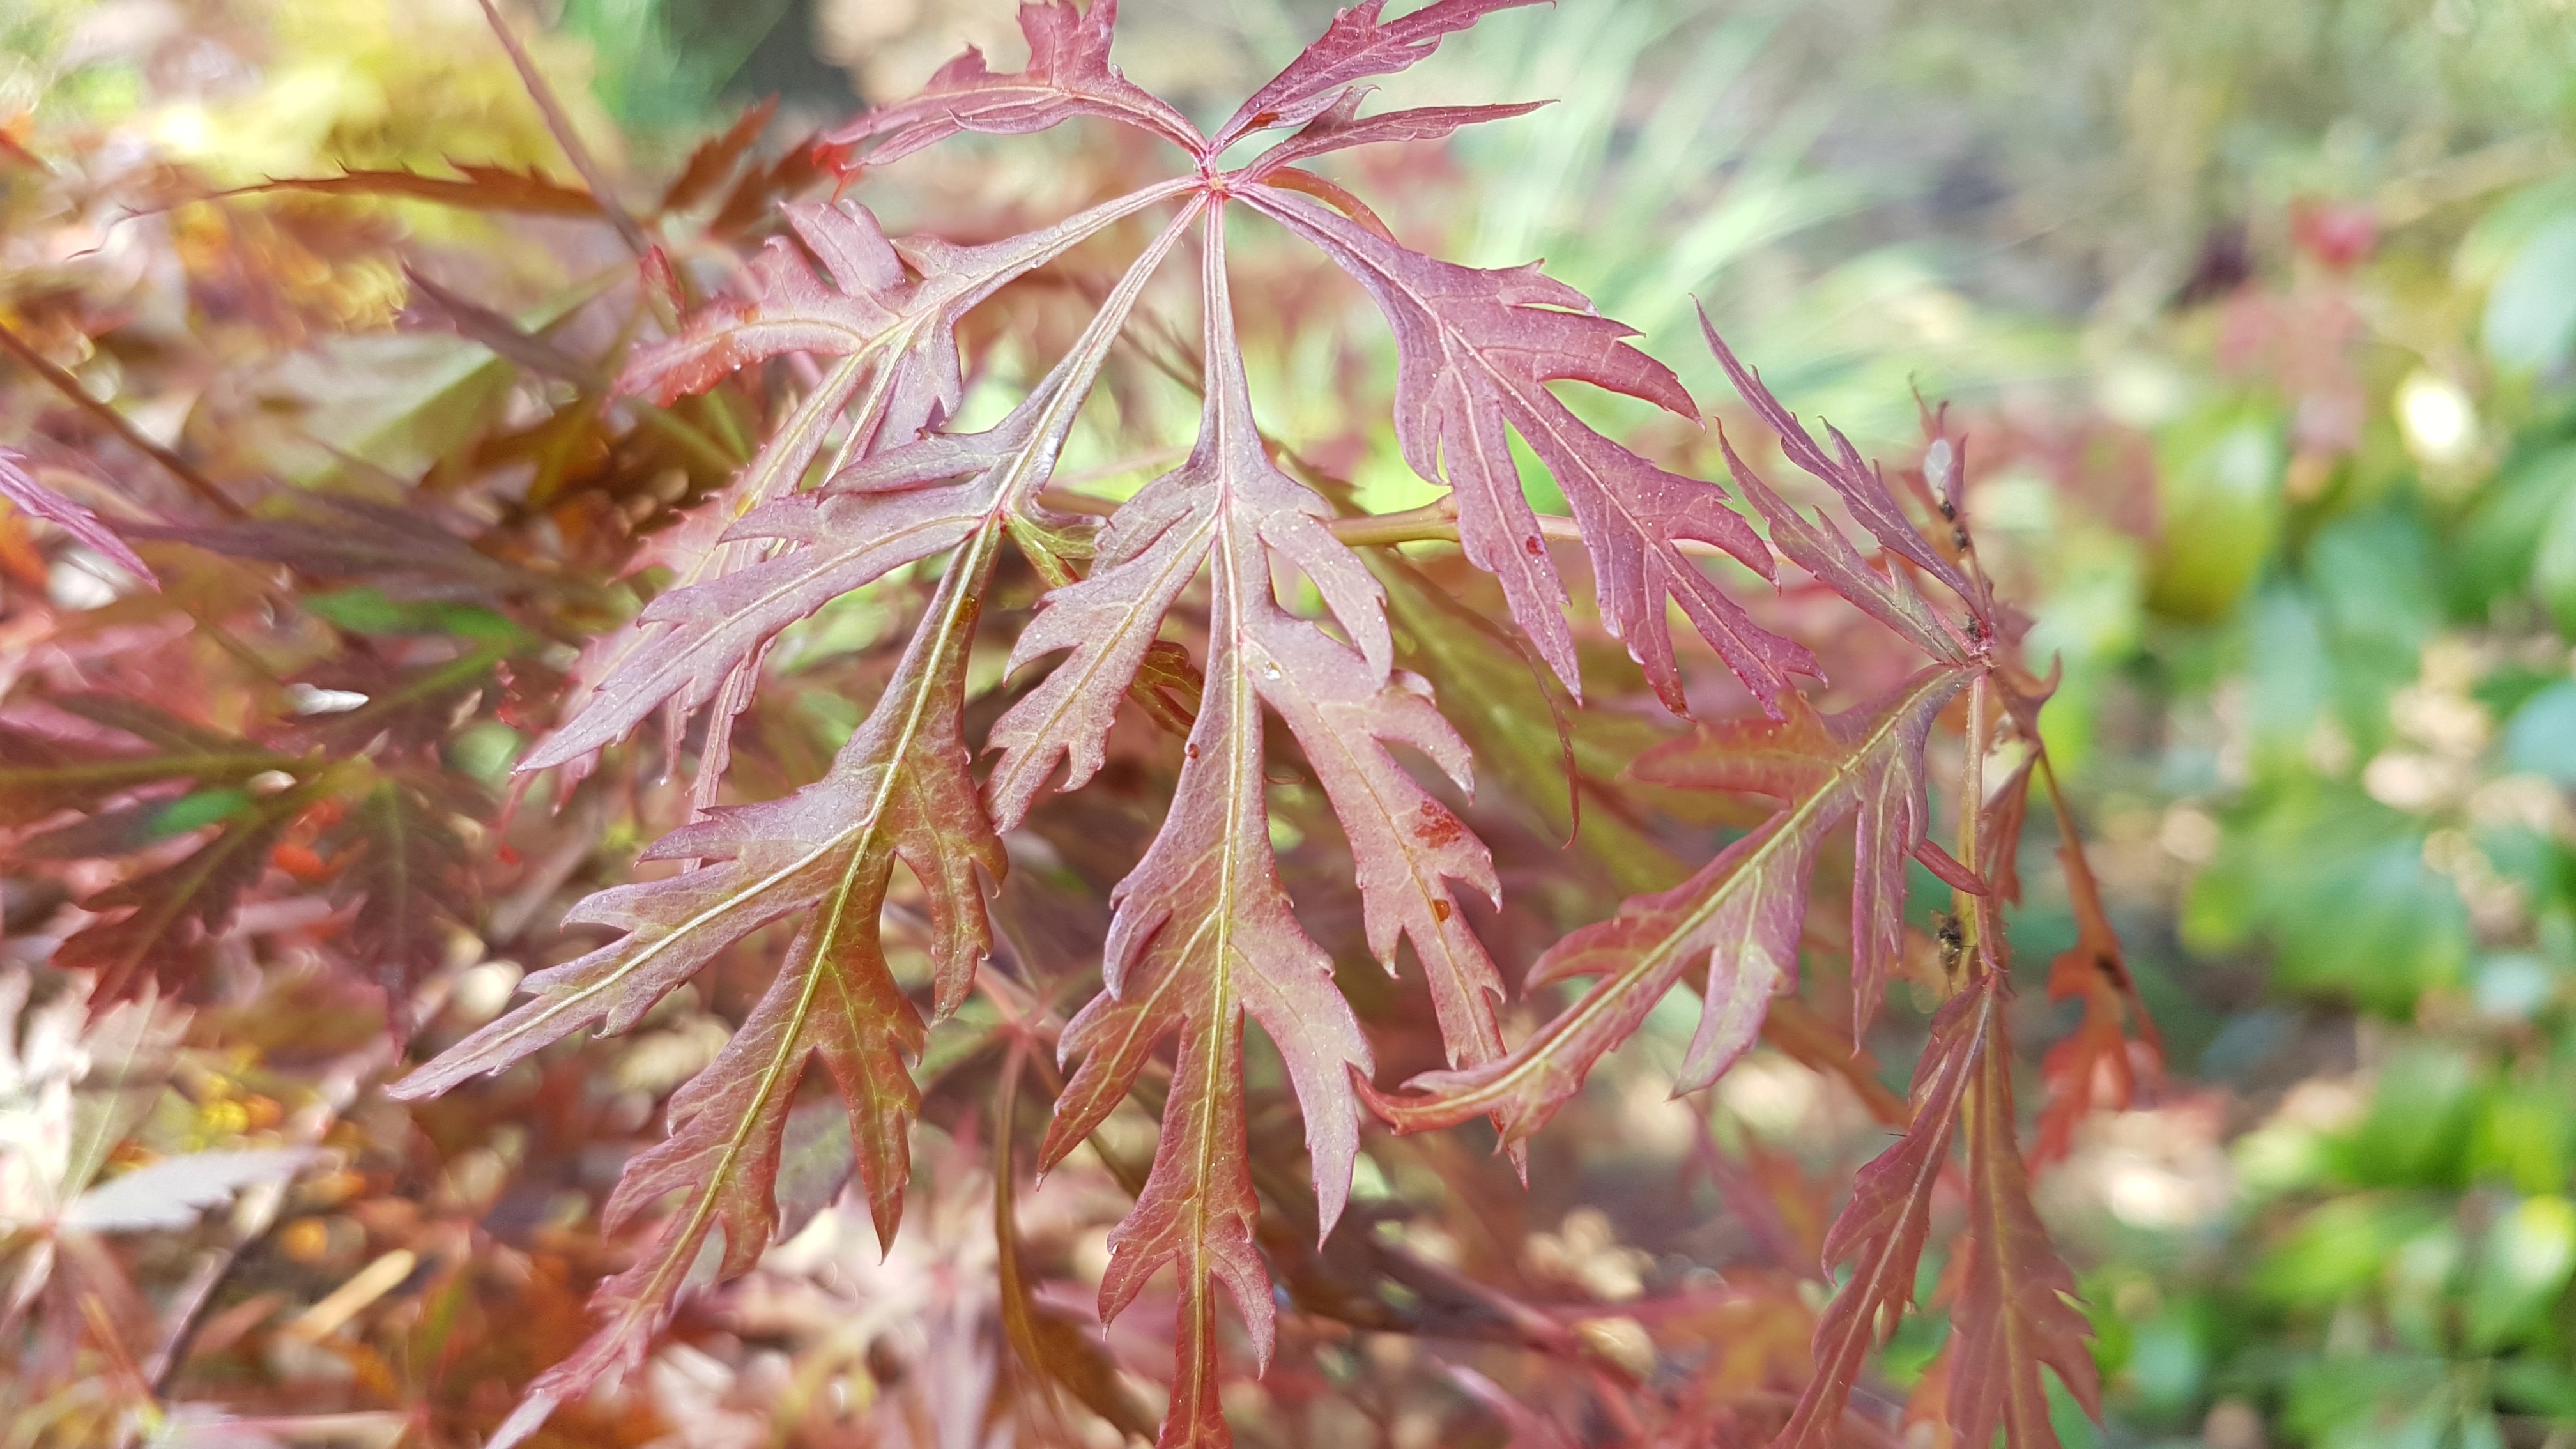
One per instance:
(900,790)
(404,864)
(474,188)
(1816,546)
(1476,349)
(1228,500)
(2015,1310)
(1202,934)
(1406,846)
(2100,1062)
(765,561)
(1881,1232)
(155,926)
(1340,700)
(1343,127)
(20,489)
(1741,915)
(1150,550)
(342,536)
(110,746)
(1068,75)
(1804,756)
(1357,45)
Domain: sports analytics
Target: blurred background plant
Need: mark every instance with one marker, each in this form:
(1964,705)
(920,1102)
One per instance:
(2260,320)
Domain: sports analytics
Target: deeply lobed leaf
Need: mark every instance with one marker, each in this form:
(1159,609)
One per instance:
(761,560)
(1476,349)
(1342,127)
(1203,936)
(1802,756)
(1863,492)
(1357,45)
(2016,1308)
(1069,74)
(1741,915)
(406,867)
(474,188)
(900,791)
(1882,1230)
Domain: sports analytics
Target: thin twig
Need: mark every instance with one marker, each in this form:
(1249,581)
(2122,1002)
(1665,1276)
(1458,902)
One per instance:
(1972,805)
(560,123)
(117,422)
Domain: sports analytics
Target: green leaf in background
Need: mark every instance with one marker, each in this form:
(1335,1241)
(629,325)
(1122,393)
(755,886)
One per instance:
(2218,490)
(2342,1246)
(2373,575)
(2418,1129)
(2531,309)
(663,63)
(2293,681)
(485,751)
(2522,1268)
(2540,739)
(2496,550)
(2374,1401)
(2553,564)
(197,809)
(2168,1365)
(2536,1386)
(2337,883)
(369,611)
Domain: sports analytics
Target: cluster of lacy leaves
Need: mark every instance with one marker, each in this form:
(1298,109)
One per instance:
(861,479)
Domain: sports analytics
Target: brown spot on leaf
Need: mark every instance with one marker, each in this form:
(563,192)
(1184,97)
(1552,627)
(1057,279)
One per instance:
(1436,827)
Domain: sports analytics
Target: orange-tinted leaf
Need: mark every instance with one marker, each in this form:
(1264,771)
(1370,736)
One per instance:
(2100,1062)
(716,156)
(476,188)
(158,924)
